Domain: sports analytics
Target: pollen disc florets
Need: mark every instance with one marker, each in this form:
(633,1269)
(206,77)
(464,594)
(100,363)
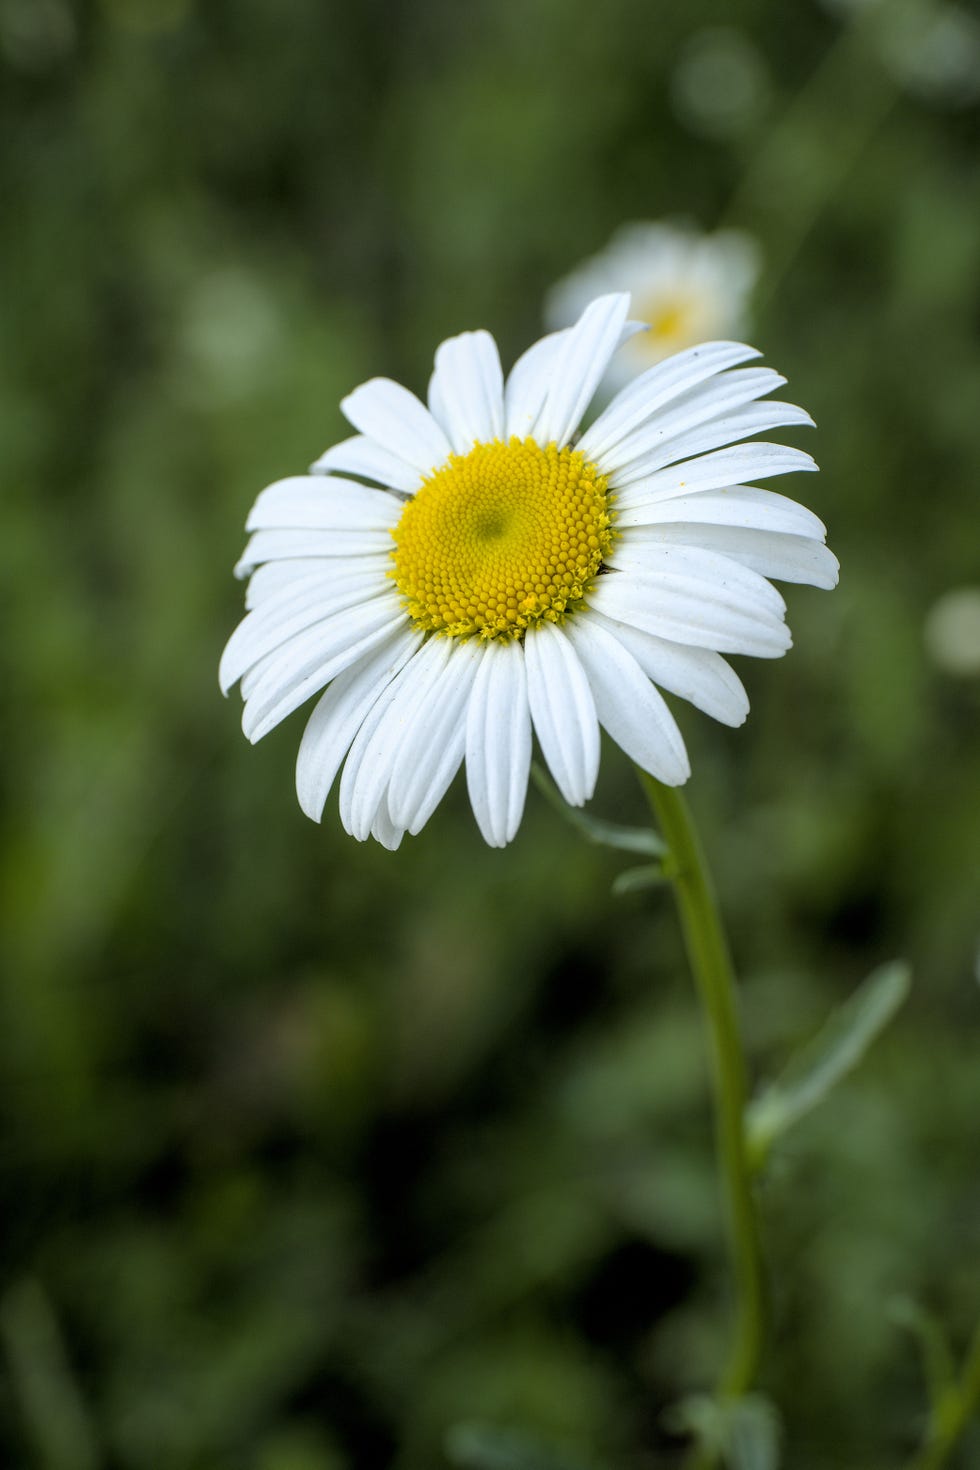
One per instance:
(501,537)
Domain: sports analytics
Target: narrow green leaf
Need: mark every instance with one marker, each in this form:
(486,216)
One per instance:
(634,880)
(603,834)
(55,1414)
(834,1052)
(485,1447)
(937,1356)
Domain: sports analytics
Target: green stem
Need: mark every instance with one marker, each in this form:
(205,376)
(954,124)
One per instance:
(710,961)
(952,1414)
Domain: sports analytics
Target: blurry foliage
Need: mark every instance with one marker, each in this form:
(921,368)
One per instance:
(309,1152)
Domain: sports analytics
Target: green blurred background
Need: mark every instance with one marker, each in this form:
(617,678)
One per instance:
(311,1152)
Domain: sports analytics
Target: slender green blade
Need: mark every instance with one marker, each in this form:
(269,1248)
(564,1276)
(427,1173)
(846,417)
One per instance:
(604,834)
(636,880)
(834,1052)
(937,1356)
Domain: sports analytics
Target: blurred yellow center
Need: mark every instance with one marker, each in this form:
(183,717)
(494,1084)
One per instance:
(669,321)
(501,537)
(673,319)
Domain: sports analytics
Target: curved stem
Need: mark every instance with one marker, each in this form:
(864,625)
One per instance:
(952,1414)
(710,961)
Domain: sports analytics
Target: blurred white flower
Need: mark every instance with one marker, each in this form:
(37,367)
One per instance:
(493,580)
(952,632)
(935,52)
(688,286)
(720,86)
(231,334)
(930,49)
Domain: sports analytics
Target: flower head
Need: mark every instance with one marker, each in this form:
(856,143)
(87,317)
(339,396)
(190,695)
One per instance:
(688,287)
(457,576)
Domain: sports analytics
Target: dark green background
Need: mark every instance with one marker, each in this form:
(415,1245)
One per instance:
(311,1152)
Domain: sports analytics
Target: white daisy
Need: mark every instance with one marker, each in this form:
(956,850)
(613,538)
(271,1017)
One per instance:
(689,287)
(497,579)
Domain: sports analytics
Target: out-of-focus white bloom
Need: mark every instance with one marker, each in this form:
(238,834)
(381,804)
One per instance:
(934,50)
(460,574)
(231,333)
(688,286)
(720,86)
(952,632)
(931,49)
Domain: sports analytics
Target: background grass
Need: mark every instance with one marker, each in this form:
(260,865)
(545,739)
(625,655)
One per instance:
(311,1152)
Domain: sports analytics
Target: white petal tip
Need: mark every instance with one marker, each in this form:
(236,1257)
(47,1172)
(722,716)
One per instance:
(309,807)
(672,778)
(620,298)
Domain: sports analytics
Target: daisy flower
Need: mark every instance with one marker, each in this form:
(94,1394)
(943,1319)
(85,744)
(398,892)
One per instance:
(687,286)
(455,577)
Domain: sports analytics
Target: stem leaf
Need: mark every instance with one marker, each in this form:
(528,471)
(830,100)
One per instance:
(822,1062)
(642,840)
(635,880)
(930,1335)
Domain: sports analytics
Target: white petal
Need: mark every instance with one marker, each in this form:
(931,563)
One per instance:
(701,677)
(578,368)
(278,577)
(563,711)
(756,418)
(432,750)
(689,609)
(312,600)
(383,829)
(720,397)
(696,564)
(498,742)
(530,379)
(742,505)
(320,503)
(362,456)
(527,385)
(659,385)
(724,467)
(771,554)
(369,765)
(627,704)
(302,545)
(395,419)
(339,714)
(302,667)
(466,393)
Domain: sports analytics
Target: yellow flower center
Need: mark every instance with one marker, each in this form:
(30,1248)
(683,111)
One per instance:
(501,537)
(671,320)
(674,319)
